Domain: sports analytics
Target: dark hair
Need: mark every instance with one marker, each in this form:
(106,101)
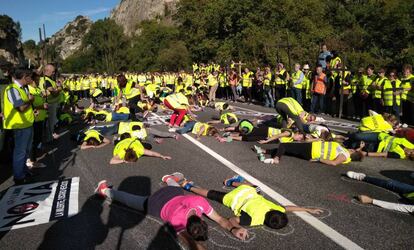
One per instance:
(225,106)
(275,219)
(231,119)
(371,66)
(197,228)
(130,155)
(136,127)
(357,156)
(124,136)
(92,141)
(21,72)
(122,81)
(212,131)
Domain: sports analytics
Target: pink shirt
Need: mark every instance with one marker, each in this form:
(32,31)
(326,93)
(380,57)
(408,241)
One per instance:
(177,209)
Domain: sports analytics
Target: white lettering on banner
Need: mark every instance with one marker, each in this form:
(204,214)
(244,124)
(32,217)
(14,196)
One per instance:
(60,205)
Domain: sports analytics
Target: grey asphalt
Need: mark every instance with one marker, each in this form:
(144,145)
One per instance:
(100,225)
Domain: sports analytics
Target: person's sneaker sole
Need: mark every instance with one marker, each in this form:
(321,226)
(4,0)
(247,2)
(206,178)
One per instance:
(177,177)
(97,189)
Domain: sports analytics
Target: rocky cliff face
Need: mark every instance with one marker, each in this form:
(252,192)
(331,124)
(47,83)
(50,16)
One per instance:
(10,45)
(69,39)
(129,13)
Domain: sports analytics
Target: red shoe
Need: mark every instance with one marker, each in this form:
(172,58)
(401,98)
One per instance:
(100,189)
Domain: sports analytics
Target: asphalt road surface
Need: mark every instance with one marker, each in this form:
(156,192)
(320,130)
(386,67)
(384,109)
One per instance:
(345,223)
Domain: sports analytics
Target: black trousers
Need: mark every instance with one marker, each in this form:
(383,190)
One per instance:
(299,150)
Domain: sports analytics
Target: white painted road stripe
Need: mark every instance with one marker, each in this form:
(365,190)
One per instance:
(329,232)
(311,220)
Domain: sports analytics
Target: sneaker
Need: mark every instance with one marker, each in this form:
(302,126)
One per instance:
(100,189)
(355,175)
(228,182)
(172,130)
(261,157)
(258,150)
(177,177)
(269,161)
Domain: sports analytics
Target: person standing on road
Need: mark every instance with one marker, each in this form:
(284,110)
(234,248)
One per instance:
(297,84)
(323,55)
(52,90)
(19,117)
(318,89)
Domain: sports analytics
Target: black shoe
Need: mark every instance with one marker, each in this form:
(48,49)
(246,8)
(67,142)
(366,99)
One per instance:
(18,182)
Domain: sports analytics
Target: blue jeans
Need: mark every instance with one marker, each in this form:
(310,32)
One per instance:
(392,185)
(188,126)
(119,117)
(297,94)
(108,129)
(370,139)
(317,98)
(268,97)
(23,139)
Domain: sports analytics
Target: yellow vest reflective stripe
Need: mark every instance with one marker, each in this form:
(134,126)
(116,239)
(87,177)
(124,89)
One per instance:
(128,127)
(326,151)
(197,128)
(38,101)
(278,78)
(245,198)
(293,105)
(375,123)
(393,144)
(295,78)
(14,119)
(125,144)
(93,134)
(224,118)
(273,131)
(388,93)
(96,92)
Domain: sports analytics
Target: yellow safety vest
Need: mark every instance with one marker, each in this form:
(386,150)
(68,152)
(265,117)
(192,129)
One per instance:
(36,92)
(197,128)
(393,144)
(123,110)
(130,92)
(127,127)
(275,131)
(327,151)
(378,92)
(125,144)
(375,123)
(212,80)
(293,105)
(295,78)
(13,118)
(247,81)
(408,83)
(224,118)
(267,79)
(278,78)
(49,98)
(93,134)
(388,93)
(245,198)
(177,101)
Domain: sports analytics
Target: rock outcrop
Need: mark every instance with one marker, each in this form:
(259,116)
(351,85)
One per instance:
(129,13)
(69,39)
(10,45)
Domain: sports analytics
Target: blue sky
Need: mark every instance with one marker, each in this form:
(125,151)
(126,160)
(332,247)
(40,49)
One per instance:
(53,13)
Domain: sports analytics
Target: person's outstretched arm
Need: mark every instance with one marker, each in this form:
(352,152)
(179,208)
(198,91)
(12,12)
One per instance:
(404,208)
(238,231)
(303,209)
(148,152)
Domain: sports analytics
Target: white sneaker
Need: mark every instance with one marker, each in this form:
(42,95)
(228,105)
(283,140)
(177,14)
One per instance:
(172,130)
(355,175)
(269,161)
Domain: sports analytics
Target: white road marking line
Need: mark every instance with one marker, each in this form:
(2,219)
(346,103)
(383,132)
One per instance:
(314,222)
(329,232)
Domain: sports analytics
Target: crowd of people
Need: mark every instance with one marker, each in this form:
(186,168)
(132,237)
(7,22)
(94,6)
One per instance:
(35,104)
